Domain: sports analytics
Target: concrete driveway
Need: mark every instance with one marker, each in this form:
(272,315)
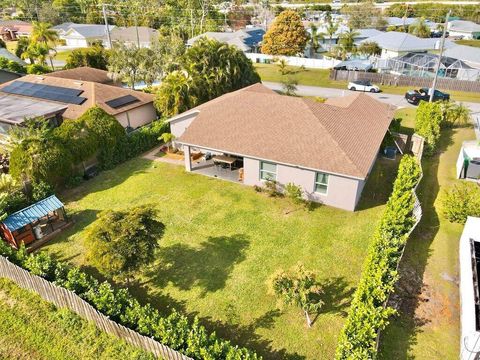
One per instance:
(397,100)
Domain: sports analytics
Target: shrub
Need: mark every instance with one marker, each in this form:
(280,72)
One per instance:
(37,69)
(428,120)
(271,188)
(461,201)
(41,190)
(294,192)
(368,313)
(175,330)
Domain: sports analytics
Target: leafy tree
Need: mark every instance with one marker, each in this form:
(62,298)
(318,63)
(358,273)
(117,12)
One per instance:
(94,56)
(125,63)
(428,120)
(207,70)
(119,243)
(314,40)
(460,201)
(420,28)
(167,138)
(331,30)
(289,85)
(369,48)
(298,287)
(286,36)
(38,52)
(347,40)
(455,114)
(364,15)
(42,33)
(175,95)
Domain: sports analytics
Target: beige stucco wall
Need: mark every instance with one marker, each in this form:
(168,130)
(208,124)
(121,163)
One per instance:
(139,116)
(179,125)
(343,192)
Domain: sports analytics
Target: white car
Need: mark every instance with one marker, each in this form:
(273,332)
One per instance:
(363,85)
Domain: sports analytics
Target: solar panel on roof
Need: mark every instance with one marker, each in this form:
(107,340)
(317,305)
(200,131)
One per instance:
(121,101)
(48,92)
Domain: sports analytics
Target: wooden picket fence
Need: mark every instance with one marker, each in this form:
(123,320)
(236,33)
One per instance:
(64,298)
(403,80)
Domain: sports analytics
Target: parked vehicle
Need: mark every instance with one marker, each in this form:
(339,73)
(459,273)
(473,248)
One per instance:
(415,96)
(363,85)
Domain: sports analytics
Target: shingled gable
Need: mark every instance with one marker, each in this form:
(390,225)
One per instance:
(341,136)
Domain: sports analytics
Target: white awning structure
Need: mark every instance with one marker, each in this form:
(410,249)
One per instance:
(469,291)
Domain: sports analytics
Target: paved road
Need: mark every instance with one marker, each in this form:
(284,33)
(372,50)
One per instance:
(397,100)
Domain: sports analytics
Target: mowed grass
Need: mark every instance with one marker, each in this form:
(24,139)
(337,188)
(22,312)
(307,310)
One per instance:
(31,328)
(474,43)
(320,77)
(223,241)
(428,324)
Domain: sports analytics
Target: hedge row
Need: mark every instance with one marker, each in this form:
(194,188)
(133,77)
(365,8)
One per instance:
(175,331)
(368,314)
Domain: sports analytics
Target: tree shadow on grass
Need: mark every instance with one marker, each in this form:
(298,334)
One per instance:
(245,335)
(207,266)
(401,335)
(336,295)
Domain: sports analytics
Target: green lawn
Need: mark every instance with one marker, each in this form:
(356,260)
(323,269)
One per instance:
(31,328)
(223,241)
(474,43)
(11,46)
(320,77)
(428,324)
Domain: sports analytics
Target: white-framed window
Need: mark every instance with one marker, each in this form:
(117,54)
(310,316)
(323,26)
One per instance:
(321,183)
(268,171)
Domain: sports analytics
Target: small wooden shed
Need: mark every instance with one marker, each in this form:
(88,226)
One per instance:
(39,221)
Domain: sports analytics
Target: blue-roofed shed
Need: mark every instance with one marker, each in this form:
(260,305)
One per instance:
(38,221)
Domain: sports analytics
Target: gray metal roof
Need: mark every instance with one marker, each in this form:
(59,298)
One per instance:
(14,109)
(89,30)
(465,53)
(463,25)
(32,213)
(400,41)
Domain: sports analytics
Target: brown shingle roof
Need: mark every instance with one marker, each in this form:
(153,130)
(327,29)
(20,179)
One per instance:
(95,93)
(259,123)
(84,73)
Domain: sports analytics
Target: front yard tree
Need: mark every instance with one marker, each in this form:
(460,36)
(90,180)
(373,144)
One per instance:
(420,28)
(298,287)
(119,243)
(286,36)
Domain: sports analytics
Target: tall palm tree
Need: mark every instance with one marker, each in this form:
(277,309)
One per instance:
(43,33)
(331,29)
(175,94)
(36,51)
(347,40)
(314,38)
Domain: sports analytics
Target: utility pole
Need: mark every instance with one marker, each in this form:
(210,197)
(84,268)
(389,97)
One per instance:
(442,44)
(136,30)
(107,28)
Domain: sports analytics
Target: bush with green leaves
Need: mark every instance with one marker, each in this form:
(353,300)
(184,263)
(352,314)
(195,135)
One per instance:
(368,313)
(428,121)
(12,66)
(94,56)
(460,201)
(294,192)
(174,330)
(37,69)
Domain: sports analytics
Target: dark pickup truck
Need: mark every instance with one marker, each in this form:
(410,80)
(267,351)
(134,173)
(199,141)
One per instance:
(415,96)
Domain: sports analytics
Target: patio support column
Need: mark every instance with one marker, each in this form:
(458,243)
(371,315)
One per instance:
(188,160)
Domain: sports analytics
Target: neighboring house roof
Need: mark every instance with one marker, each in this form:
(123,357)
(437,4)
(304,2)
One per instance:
(366,33)
(64,26)
(400,41)
(88,31)
(244,39)
(84,73)
(463,26)
(465,53)
(8,55)
(7,75)
(341,136)
(129,34)
(94,94)
(13,23)
(14,109)
(32,213)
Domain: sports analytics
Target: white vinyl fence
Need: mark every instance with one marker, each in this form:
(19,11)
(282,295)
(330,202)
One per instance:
(322,63)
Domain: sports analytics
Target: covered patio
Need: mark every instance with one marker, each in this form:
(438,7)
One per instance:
(214,164)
